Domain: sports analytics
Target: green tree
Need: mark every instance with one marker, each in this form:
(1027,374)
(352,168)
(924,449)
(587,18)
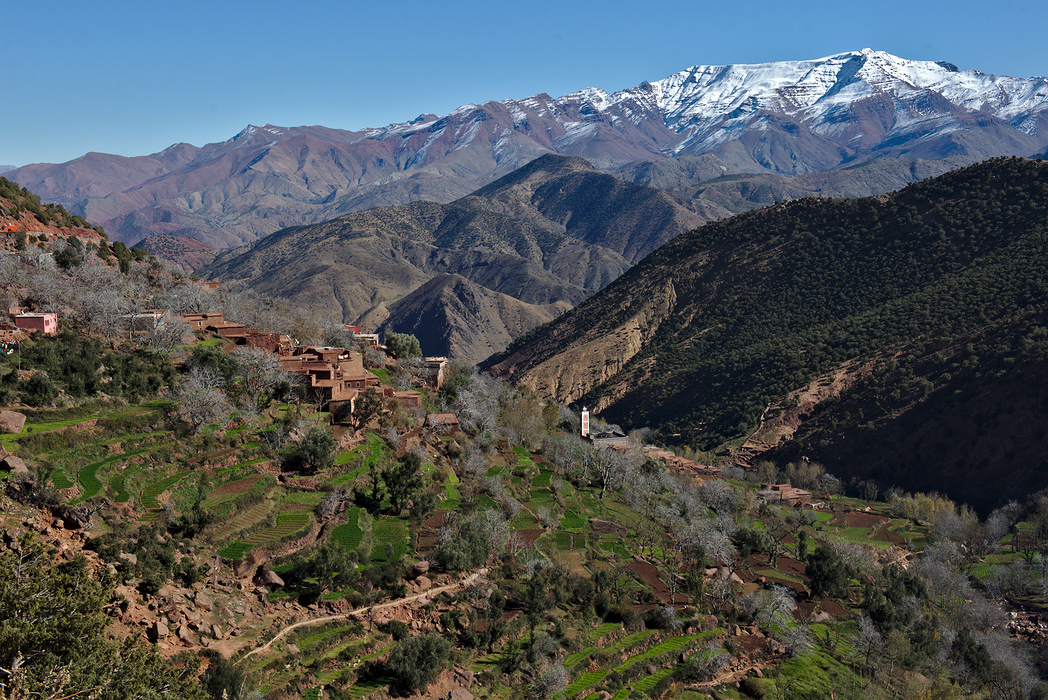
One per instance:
(366,407)
(828,573)
(315,451)
(403,345)
(53,643)
(415,662)
(402,480)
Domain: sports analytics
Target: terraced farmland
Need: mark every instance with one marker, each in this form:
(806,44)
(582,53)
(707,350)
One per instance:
(391,531)
(151,495)
(289,523)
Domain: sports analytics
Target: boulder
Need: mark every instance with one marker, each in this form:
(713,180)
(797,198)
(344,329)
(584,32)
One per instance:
(71,517)
(202,601)
(419,568)
(424,583)
(461,694)
(159,631)
(464,677)
(244,568)
(11,422)
(15,465)
(130,558)
(270,578)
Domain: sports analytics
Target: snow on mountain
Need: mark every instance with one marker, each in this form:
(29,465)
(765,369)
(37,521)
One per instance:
(702,108)
(790,117)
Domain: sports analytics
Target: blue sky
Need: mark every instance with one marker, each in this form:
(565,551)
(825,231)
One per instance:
(133,77)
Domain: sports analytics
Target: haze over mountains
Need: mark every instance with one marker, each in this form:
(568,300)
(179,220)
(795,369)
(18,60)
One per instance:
(787,118)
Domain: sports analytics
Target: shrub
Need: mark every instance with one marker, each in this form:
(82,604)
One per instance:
(415,662)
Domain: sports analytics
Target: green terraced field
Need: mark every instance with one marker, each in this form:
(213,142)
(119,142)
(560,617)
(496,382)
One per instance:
(119,482)
(61,481)
(643,685)
(670,644)
(572,521)
(543,479)
(289,522)
(586,680)
(393,531)
(91,485)
(151,493)
(243,520)
(349,534)
(603,630)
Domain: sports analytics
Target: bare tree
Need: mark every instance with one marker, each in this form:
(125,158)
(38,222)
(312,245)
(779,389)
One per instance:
(200,400)
(168,335)
(258,371)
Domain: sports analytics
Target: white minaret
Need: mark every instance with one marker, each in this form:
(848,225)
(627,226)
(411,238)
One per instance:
(585,422)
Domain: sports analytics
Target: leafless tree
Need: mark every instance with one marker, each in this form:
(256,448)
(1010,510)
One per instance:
(477,403)
(867,641)
(258,371)
(200,401)
(167,335)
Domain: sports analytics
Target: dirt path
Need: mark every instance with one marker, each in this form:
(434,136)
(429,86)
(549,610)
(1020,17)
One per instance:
(468,581)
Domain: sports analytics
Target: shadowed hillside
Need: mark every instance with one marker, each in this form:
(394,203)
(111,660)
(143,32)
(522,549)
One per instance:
(717,327)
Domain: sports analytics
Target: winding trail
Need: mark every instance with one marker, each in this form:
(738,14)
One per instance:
(468,581)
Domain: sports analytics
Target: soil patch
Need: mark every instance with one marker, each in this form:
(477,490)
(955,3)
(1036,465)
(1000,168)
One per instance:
(650,575)
(792,567)
(886,535)
(792,585)
(436,520)
(603,527)
(748,645)
(530,536)
(832,607)
(239,486)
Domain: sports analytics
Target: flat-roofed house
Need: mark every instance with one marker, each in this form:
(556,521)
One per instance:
(46,323)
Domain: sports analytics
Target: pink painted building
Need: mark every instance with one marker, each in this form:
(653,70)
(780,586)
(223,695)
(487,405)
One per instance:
(48,323)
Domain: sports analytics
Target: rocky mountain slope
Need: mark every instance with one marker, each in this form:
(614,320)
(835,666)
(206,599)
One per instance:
(548,236)
(706,338)
(789,117)
(454,317)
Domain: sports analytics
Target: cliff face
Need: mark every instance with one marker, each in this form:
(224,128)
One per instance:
(599,358)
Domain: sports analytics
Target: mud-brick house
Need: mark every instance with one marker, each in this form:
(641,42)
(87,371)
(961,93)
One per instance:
(370,339)
(443,423)
(410,398)
(198,322)
(784,494)
(434,370)
(46,323)
(334,377)
(354,373)
(324,353)
(230,331)
(277,343)
(141,322)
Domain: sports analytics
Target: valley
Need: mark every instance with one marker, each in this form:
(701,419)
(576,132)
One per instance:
(729,385)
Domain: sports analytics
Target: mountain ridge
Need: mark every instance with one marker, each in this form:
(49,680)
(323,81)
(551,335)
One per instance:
(547,236)
(789,117)
(705,339)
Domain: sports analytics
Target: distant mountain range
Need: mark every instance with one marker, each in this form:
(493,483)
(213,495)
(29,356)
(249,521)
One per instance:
(787,118)
(515,254)
(901,337)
